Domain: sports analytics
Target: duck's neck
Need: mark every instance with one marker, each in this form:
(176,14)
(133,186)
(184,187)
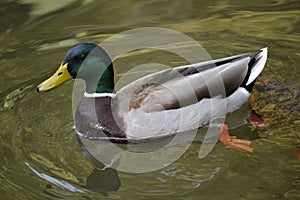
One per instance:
(103,85)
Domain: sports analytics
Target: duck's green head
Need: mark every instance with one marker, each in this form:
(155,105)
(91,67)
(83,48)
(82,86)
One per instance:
(84,61)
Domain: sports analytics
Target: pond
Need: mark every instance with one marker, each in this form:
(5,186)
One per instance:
(41,157)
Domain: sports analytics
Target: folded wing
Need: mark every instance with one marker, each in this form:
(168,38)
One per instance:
(186,85)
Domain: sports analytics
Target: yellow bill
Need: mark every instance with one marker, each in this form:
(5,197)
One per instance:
(59,77)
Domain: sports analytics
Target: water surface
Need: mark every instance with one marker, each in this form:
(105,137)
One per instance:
(42,159)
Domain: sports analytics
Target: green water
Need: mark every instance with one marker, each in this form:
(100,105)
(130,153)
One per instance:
(40,158)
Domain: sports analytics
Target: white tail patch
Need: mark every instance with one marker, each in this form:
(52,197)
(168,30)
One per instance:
(259,66)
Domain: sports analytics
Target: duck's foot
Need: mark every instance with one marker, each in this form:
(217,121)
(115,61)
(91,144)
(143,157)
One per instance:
(257,121)
(232,141)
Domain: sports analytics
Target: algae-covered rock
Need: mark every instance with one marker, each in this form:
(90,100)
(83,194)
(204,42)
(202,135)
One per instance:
(278,105)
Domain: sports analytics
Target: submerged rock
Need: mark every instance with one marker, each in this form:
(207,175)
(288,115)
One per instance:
(278,106)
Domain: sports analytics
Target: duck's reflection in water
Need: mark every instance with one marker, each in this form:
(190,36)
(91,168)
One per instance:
(103,179)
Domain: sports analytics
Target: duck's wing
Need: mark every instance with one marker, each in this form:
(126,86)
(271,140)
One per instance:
(186,85)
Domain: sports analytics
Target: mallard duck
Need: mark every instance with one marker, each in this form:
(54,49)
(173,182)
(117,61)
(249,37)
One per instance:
(162,103)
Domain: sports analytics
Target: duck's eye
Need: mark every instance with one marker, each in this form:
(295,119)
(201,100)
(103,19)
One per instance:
(59,73)
(81,57)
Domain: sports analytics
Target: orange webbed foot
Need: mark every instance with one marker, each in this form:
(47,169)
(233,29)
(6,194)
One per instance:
(232,141)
